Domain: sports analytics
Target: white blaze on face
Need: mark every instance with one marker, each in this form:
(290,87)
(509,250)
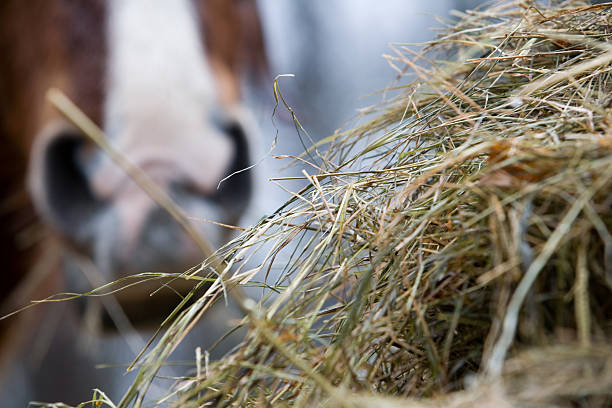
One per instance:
(158,109)
(161,90)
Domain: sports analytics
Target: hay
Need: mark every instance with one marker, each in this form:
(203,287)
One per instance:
(454,250)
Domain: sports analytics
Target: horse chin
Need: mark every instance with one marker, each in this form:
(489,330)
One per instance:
(149,267)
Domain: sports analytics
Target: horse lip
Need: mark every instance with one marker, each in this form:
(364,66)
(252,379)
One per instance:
(185,254)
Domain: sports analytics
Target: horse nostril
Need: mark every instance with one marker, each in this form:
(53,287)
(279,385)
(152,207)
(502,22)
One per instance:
(59,183)
(235,189)
(231,193)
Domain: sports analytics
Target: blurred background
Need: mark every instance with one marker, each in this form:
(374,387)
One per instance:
(334,50)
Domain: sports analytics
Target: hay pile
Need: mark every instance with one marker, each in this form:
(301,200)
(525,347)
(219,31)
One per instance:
(455,250)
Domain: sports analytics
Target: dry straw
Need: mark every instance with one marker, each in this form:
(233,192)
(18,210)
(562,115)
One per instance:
(454,250)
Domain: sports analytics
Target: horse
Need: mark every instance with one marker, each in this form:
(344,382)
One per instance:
(162,80)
